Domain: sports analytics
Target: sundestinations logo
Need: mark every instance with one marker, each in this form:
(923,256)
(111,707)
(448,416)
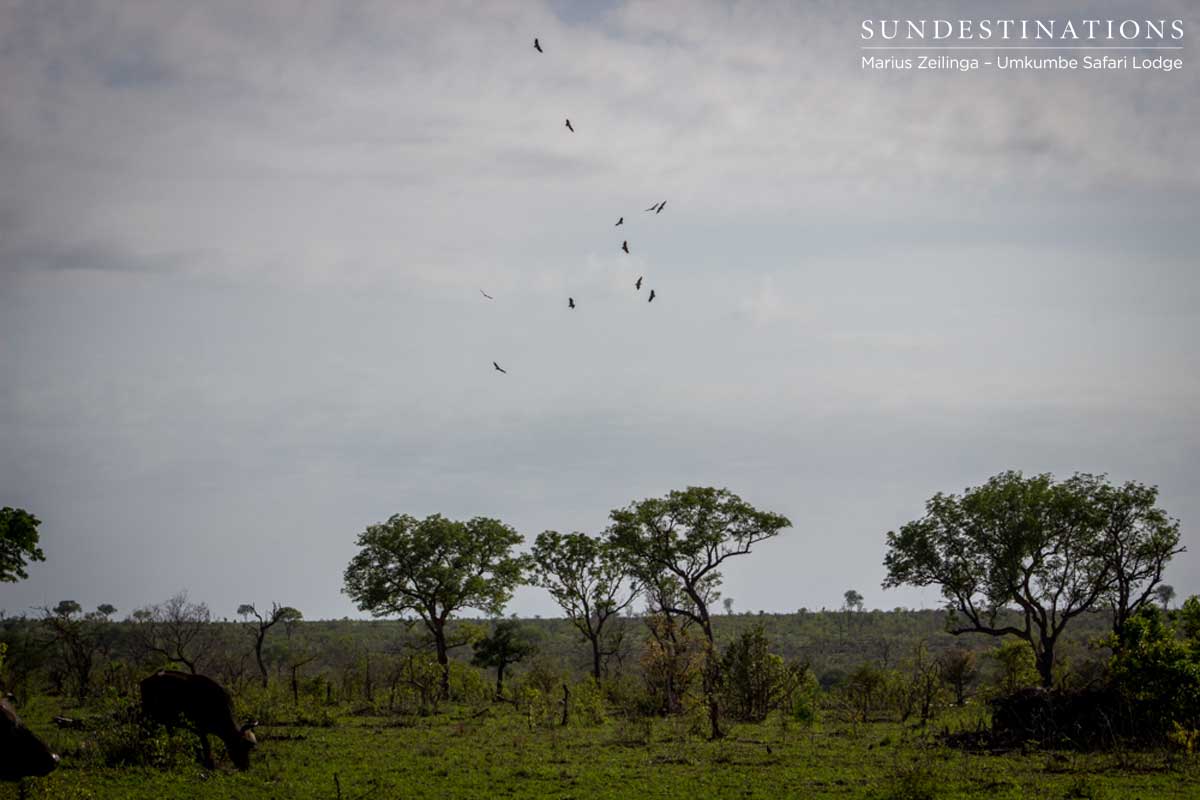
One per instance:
(1128,30)
(1064,44)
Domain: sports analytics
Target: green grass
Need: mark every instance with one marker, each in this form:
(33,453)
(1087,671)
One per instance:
(456,756)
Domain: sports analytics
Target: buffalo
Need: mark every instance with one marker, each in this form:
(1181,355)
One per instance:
(22,754)
(169,696)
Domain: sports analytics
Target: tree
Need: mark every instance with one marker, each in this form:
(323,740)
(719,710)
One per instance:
(853,601)
(686,536)
(79,638)
(433,568)
(728,603)
(958,669)
(587,578)
(1136,543)
(1028,542)
(177,630)
(507,644)
(18,543)
(262,625)
(1164,593)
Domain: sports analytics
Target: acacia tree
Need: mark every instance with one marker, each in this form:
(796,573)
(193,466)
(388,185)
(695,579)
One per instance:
(1137,540)
(588,579)
(687,535)
(79,638)
(18,543)
(433,568)
(261,625)
(1032,543)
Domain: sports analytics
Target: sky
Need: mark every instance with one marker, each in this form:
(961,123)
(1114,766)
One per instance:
(242,248)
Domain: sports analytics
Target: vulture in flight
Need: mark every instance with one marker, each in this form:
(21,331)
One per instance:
(651,300)
(656,207)
(621,221)
(661,206)
(537,46)
(485,294)
(499,368)
(570,302)
(572,130)
(638,285)
(625,245)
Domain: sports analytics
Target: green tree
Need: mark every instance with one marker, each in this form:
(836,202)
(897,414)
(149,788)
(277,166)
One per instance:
(507,644)
(1137,540)
(262,625)
(687,535)
(587,578)
(1164,593)
(18,543)
(433,568)
(1029,542)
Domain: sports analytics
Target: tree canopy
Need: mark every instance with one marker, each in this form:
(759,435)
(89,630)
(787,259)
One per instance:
(1051,549)
(433,568)
(587,578)
(18,543)
(684,538)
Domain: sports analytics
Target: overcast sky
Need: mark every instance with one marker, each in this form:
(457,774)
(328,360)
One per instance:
(241,249)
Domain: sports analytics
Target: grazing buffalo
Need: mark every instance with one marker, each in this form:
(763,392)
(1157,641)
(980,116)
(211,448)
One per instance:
(204,705)
(21,753)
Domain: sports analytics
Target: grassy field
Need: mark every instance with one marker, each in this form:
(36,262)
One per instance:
(466,753)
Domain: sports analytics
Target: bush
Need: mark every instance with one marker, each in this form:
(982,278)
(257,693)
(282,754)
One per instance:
(755,682)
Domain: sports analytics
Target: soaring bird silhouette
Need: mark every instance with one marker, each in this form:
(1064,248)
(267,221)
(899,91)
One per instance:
(571,129)
(661,206)
(537,46)
(570,302)
(638,285)
(485,294)
(499,368)
(625,245)
(621,221)
(651,300)
(656,207)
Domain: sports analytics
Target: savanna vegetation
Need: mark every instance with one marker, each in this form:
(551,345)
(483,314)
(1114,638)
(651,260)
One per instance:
(1060,667)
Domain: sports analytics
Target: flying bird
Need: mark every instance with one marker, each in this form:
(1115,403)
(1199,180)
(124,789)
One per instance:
(485,294)
(651,300)
(661,206)
(621,221)
(638,285)
(570,302)
(625,245)
(537,46)
(499,368)
(571,129)
(656,207)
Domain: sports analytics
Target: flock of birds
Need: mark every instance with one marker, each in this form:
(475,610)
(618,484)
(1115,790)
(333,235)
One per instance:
(657,208)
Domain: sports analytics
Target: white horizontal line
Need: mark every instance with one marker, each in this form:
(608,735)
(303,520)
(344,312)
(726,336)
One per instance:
(1014,47)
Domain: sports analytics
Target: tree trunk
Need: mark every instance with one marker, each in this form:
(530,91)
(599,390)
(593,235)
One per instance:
(596,658)
(500,681)
(443,658)
(1045,664)
(258,647)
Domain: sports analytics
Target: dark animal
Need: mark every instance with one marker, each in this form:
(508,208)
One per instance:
(651,300)
(625,246)
(572,130)
(22,754)
(651,208)
(621,221)
(485,294)
(638,285)
(537,46)
(499,368)
(661,206)
(169,697)
(570,302)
